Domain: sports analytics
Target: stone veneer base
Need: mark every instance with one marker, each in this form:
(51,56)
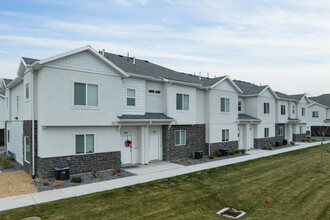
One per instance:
(27,132)
(78,163)
(298,137)
(263,142)
(231,145)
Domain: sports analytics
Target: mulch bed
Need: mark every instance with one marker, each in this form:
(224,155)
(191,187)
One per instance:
(86,179)
(205,159)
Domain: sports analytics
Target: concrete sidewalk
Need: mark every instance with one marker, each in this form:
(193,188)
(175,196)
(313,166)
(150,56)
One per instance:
(144,174)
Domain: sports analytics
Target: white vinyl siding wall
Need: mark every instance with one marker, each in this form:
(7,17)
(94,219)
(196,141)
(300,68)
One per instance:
(140,97)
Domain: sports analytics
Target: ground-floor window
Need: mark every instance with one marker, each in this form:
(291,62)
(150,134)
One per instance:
(225,134)
(280,131)
(180,137)
(27,149)
(266,132)
(85,143)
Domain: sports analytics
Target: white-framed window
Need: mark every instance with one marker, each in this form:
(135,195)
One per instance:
(225,134)
(266,108)
(182,101)
(293,109)
(303,111)
(27,91)
(239,106)
(300,129)
(154,91)
(282,109)
(180,137)
(17,105)
(130,97)
(315,114)
(86,94)
(280,131)
(224,104)
(266,132)
(84,143)
(27,149)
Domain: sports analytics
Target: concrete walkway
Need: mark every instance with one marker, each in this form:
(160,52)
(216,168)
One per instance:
(145,173)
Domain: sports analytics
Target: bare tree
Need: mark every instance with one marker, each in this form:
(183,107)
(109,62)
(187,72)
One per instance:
(321,132)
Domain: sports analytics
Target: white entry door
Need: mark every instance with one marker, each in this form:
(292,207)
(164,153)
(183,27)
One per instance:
(241,137)
(126,152)
(154,146)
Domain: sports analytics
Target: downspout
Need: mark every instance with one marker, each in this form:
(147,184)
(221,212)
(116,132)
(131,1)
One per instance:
(208,119)
(32,117)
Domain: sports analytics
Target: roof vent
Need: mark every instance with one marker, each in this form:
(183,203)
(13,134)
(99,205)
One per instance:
(134,62)
(146,61)
(200,75)
(127,57)
(208,75)
(103,50)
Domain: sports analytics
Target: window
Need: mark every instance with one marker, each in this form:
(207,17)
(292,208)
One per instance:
(180,137)
(282,109)
(224,104)
(27,91)
(225,134)
(130,101)
(300,129)
(17,105)
(27,149)
(293,109)
(239,106)
(303,111)
(152,91)
(182,102)
(86,94)
(266,108)
(85,143)
(315,114)
(266,132)
(280,131)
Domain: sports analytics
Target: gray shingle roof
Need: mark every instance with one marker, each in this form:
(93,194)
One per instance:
(146,116)
(146,68)
(249,88)
(7,81)
(29,61)
(297,97)
(247,117)
(322,99)
(282,95)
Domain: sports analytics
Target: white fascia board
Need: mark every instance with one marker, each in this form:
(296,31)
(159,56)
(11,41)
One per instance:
(271,91)
(145,120)
(15,82)
(2,96)
(307,99)
(230,81)
(316,103)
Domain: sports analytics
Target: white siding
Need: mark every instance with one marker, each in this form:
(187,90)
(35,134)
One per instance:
(154,102)
(282,118)
(328,113)
(2,112)
(200,107)
(140,102)
(181,116)
(15,144)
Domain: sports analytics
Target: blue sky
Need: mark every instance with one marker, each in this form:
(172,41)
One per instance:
(283,43)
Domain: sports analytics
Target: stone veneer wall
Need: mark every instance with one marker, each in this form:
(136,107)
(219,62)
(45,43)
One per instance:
(263,142)
(231,145)
(78,163)
(298,137)
(27,131)
(277,129)
(195,140)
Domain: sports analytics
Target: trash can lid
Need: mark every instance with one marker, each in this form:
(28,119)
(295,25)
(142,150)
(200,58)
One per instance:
(61,167)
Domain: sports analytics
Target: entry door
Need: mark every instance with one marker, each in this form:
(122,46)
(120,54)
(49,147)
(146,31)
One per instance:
(240,137)
(251,138)
(126,152)
(154,146)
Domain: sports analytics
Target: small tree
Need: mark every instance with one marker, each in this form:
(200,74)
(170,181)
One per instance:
(321,132)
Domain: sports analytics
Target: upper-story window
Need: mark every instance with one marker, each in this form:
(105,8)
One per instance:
(154,91)
(27,91)
(182,101)
(224,105)
(266,108)
(130,100)
(239,106)
(293,109)
(282,109)
(266,132)
(303,111)
(86,94)
(17,105)
(315,114)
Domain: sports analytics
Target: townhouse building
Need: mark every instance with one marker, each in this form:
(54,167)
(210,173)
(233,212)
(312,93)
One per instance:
(319,115)
(3,85)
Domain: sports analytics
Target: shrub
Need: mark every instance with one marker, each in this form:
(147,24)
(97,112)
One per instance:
(76,179)
(190,161)
(58,183)
(310,140)
(264,148)
(96,174)
(270,148)
(46,183)
(232,153)
(292,143)
(211,157)
(303,140)
(243,151)
(237,151)
(217,154)
(5,163)
(177,161)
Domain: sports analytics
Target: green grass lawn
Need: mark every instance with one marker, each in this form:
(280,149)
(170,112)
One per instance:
(292,181)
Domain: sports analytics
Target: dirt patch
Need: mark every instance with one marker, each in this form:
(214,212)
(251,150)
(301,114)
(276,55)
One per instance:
(16,183)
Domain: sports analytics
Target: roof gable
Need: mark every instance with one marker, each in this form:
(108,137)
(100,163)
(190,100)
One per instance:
(226,84)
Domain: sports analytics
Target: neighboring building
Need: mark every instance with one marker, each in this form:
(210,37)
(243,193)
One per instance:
(319,115)
(291,117)
(256,121)
(3,85)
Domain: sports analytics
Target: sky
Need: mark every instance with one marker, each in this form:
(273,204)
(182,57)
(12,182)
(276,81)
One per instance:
(281,43)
